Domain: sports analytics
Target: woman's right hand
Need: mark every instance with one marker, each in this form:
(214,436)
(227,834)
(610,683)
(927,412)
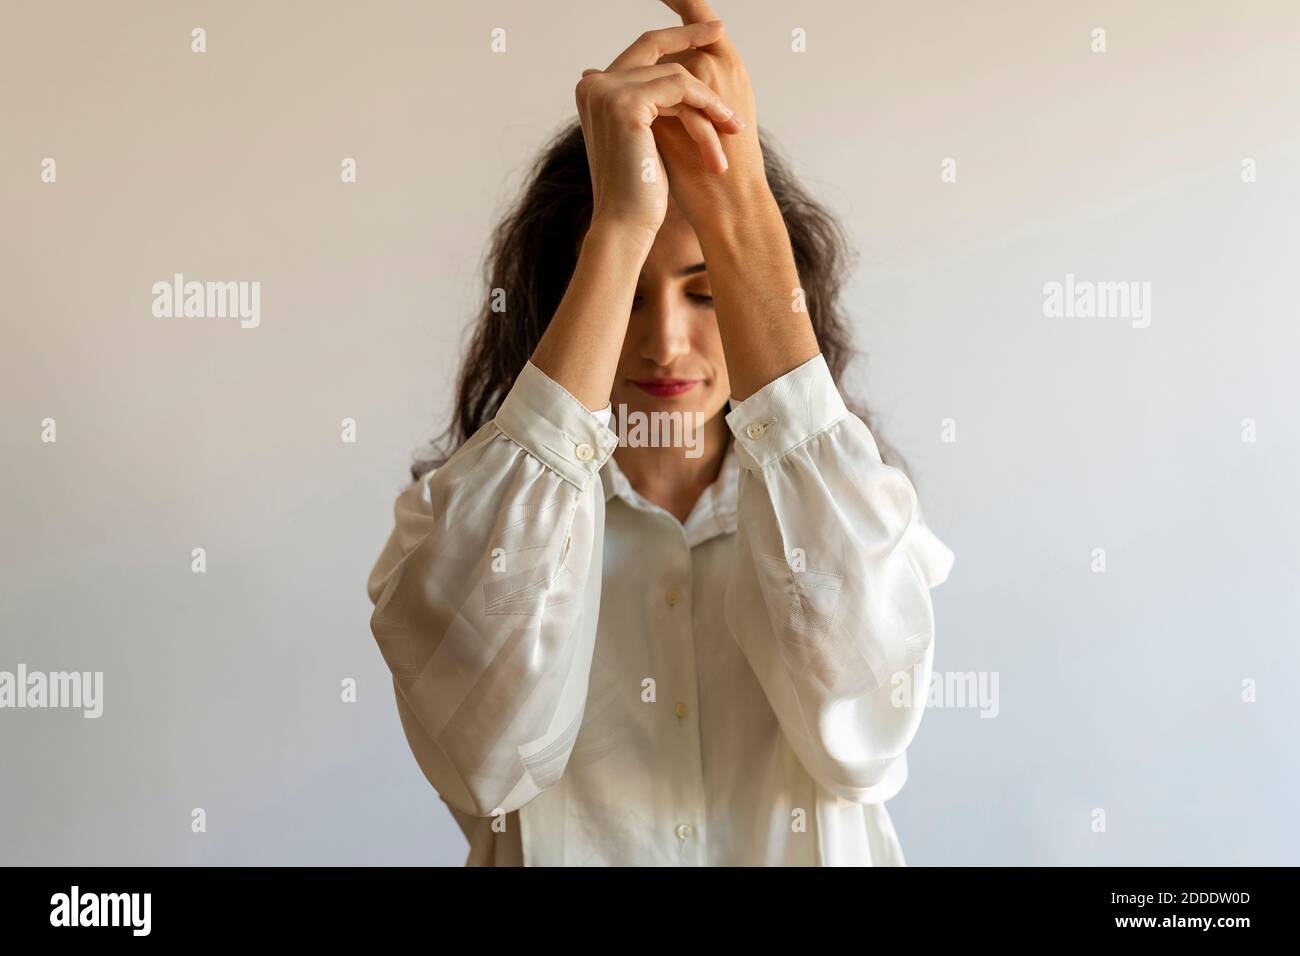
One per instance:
(617,106)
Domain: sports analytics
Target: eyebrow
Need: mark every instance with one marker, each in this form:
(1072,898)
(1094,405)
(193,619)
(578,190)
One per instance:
(687,271)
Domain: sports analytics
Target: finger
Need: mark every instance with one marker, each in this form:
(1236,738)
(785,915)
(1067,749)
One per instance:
(691,11)
(668,84)
(675,90)
(705,134)
(650,46)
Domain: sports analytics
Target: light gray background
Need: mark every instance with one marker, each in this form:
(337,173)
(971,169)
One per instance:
(1119,691)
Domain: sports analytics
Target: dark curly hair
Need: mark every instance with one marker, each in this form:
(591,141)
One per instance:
(534,251)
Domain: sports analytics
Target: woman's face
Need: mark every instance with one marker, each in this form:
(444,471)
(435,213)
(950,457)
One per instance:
(672,358)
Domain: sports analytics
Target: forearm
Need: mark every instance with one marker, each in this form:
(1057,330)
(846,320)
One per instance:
(754,281)
(581,346)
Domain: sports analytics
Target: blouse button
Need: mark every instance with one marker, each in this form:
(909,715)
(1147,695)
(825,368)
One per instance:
(584,452)
(673,597)
(681,709)
(755,429)
(684,831)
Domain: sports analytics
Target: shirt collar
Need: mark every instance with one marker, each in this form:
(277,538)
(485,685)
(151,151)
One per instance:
(714,512)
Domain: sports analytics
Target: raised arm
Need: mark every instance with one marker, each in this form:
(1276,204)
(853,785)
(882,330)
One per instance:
(487,593)
(617,107)
(829,598)
(487,596)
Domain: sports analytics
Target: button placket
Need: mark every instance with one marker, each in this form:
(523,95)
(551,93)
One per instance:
(685,742)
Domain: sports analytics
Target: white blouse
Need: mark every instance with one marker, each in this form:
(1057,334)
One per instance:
(587,681)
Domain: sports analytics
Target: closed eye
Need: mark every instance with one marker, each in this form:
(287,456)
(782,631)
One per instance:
(699,298)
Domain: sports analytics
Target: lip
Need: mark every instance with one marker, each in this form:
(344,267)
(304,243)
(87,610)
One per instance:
(664,387)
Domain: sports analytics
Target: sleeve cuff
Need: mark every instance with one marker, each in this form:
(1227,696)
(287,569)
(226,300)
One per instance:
(550,424)
(785,413)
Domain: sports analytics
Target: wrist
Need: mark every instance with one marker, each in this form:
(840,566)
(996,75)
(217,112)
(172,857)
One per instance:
(609,235)
(741,213)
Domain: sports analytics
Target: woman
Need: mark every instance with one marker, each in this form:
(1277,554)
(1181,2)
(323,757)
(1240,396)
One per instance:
(632,654)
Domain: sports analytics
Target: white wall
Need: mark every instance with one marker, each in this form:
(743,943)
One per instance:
(1120,691)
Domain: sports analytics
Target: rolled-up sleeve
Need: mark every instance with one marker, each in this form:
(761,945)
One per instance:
(829,599)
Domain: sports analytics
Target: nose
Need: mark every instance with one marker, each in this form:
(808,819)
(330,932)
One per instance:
(665,330)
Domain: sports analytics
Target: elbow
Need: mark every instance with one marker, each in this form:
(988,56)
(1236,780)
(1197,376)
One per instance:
(481,799)
(476,794)
(494,789)
(862,743)
(871,782)
(490,789)
(859,749)
(486,796)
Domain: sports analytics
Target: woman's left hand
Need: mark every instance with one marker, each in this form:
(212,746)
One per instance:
(701,194)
